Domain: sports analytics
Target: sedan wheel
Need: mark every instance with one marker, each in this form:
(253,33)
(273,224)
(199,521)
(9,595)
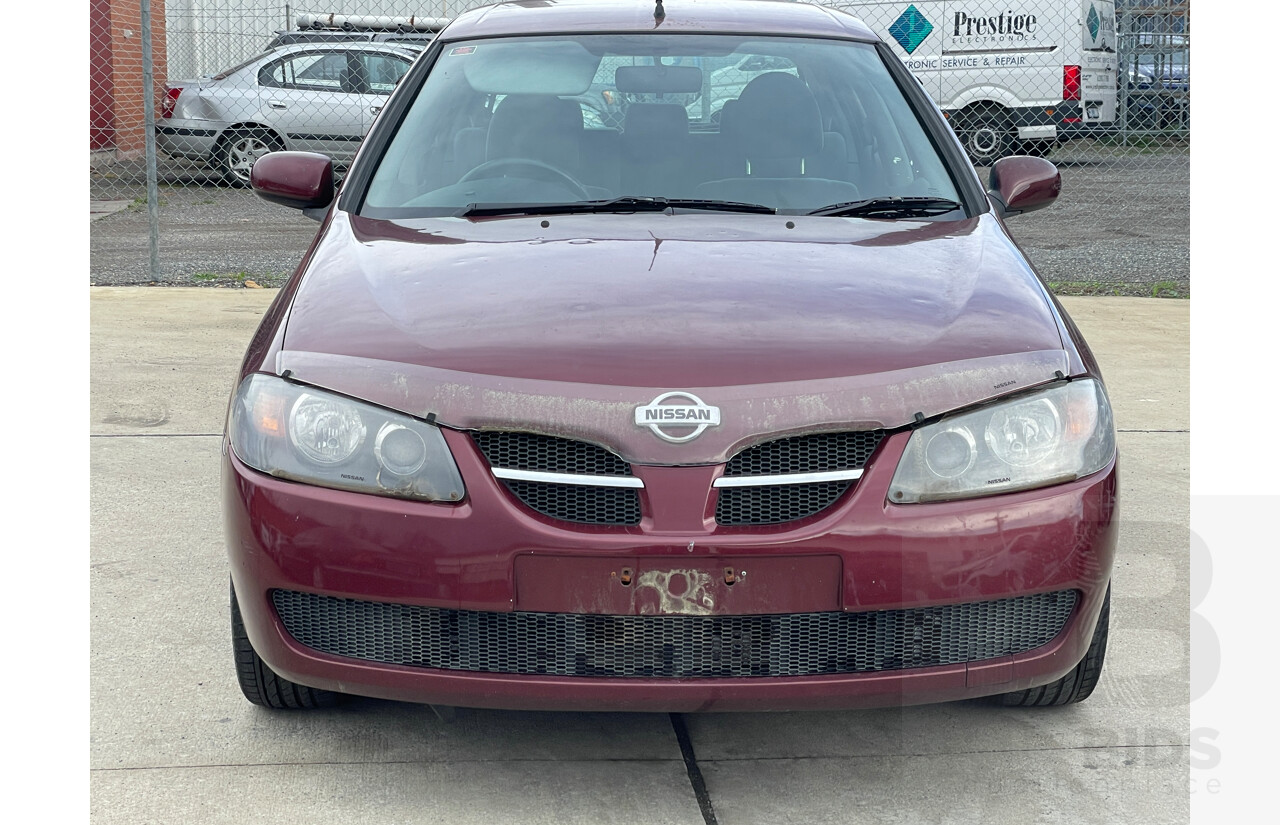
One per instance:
(260,684)
(240,151)
(1076,685)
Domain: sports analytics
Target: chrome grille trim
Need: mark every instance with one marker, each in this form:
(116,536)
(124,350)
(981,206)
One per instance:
(565,478)
(790,478)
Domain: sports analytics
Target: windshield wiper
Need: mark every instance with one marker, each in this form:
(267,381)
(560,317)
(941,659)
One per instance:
(720,206)
(889,207)
(618,205)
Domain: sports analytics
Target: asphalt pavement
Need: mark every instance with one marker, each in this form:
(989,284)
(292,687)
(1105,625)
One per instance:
(173,741)
(1119,228)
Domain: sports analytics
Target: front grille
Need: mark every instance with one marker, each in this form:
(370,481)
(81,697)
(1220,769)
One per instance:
(547,454)
(674,647)
(820,453)
(578,503)
(777,504)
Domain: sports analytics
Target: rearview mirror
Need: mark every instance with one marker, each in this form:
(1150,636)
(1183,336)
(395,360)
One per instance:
(1021,184)
(660,79)
(301,180)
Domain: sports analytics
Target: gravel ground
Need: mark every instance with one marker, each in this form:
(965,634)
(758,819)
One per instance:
(1121,227)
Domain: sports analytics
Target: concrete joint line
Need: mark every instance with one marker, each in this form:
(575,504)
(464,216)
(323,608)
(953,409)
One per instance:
(696,780)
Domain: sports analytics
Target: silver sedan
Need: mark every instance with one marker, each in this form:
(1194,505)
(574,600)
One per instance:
(312,97)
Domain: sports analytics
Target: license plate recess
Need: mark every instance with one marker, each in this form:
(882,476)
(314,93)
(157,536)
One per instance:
(672,585)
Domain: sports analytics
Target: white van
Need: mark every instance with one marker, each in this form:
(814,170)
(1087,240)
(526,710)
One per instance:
(1012,76)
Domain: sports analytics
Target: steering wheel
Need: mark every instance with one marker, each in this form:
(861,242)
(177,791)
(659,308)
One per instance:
(543,171)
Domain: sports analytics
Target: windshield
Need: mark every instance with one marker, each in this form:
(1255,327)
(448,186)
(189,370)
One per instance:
(790,124)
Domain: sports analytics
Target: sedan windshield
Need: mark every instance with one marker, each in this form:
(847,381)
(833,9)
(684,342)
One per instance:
(630,122)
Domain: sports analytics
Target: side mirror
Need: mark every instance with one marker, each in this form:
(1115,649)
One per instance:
(301,180)
(1021,184)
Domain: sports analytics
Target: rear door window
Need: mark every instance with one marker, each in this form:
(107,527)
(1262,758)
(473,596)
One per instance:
(383,71)
(308,71)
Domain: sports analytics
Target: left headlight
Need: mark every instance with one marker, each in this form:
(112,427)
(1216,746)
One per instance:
(304,434)
(1049,437)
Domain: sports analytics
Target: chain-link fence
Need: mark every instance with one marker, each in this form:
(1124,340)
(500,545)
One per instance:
(1096,85)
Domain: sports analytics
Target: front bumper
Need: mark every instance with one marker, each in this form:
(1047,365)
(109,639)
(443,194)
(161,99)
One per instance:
(489,555)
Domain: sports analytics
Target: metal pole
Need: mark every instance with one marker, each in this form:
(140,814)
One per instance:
(149,124)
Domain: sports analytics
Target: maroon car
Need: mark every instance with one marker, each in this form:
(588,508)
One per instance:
(751,403)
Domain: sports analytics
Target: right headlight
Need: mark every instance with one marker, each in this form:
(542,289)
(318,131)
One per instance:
(1049,437)
(305,434)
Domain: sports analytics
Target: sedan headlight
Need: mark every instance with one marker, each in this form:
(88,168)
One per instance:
(321,438)
(1056,435)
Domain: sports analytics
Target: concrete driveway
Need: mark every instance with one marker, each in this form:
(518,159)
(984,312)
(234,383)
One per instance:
(173,741)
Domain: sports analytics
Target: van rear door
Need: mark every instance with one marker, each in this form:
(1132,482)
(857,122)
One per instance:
(1098,61)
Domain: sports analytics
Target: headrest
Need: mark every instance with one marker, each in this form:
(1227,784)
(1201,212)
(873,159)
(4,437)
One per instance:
(776,116)
(656,120)
(656,125)
(534,126)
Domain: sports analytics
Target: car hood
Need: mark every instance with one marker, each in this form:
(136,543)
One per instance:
(565,325)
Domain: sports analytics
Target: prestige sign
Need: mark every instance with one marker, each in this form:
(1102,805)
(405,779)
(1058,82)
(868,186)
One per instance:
(1005,27)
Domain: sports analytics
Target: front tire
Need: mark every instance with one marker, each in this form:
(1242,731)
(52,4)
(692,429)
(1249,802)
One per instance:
(1076,685)
(259,684)
(239,150)
(986,133)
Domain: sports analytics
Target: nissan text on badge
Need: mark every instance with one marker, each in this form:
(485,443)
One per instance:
(472,458)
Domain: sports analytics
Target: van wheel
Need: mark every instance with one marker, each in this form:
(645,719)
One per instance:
(986,133)
(1076,685)
(259,684)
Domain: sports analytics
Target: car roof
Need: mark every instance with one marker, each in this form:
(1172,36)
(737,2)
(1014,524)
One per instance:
(773,17)
(287,38)
(346,45)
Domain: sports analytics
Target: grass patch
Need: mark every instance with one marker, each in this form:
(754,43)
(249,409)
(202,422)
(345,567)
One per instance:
(266,280)
(1085,288)
(140,204)
(1160,289)
(239,277)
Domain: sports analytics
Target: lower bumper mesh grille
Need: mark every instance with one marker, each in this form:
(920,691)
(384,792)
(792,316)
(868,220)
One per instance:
(676,647)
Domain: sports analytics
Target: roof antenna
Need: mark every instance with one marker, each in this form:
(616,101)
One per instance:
(659,12)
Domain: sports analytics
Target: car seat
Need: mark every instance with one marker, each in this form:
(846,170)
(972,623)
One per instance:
(768,134)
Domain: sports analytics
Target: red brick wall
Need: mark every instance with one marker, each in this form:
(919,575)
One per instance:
(115,59)
(102,132)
